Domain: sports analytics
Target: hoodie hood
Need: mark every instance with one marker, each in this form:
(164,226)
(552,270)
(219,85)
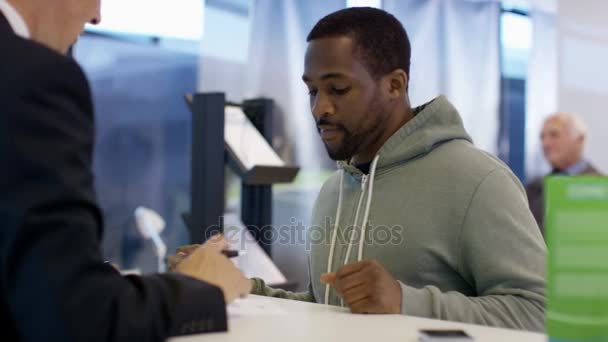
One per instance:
(434,123)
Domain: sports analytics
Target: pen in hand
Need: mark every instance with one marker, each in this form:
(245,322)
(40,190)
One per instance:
(232,254)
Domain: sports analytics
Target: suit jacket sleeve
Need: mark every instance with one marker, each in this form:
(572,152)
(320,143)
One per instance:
(54,282)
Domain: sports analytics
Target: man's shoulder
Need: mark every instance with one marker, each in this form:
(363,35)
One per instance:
(591,170)
(24,60)
(460,159)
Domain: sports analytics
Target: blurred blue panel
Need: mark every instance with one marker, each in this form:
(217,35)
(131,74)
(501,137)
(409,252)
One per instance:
(142,152)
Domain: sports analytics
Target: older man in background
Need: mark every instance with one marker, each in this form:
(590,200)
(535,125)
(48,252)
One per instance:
(563,138)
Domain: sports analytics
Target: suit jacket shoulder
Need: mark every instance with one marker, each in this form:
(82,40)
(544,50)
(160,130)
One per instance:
(21,58)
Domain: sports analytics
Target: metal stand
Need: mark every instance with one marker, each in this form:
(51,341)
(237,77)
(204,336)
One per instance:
(209,157)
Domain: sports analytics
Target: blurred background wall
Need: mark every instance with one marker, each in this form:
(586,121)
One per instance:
(582,39)
(506,65)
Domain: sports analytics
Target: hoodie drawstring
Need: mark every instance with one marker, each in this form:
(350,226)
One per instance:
(372,175)
(334,234)
(350,241)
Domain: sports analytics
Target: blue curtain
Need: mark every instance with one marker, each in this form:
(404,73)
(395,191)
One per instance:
(541,88)
(276,65)
(455,52)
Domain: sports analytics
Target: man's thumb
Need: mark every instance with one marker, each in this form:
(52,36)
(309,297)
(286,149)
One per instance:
(328,278)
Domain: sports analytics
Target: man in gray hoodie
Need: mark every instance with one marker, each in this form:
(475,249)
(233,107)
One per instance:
(417,220)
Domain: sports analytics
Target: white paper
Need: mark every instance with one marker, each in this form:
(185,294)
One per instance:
(253,307)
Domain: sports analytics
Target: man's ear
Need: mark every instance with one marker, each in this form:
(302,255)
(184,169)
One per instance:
(581,139)
(398,83)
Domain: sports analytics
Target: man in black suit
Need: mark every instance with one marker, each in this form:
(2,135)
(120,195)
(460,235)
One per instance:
(54,283)
(563,139)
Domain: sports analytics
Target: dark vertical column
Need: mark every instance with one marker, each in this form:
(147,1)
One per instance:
(208,160)
(256,200)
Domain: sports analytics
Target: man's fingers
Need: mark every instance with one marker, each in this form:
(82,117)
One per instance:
(362,306)
(186,249)
(351,268)
(216,243)
(355,295)
(328,278)
(174,260)
(352,280)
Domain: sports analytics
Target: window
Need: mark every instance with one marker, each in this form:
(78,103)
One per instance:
(154,18)
(516,40)
(227,30)
(515,43)
(140,63)
(211,28)
(364,3)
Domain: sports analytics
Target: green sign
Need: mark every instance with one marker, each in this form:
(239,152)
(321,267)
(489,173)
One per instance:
(576,225)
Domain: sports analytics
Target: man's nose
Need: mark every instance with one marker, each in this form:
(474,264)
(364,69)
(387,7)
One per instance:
(322,106)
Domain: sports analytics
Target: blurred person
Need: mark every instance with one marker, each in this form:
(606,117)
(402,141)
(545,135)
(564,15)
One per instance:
(563,140)
(55,284)
(417,220)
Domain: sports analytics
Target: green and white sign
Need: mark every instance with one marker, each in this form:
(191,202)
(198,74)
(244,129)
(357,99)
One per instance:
(576,225)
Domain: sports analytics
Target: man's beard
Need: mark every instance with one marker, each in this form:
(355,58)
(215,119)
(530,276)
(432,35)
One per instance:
(353,143)
(350,146)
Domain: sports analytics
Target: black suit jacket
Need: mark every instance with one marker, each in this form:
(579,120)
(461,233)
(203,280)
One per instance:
(536,196)
(54,284)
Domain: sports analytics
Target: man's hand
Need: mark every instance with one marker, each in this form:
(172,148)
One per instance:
(208,264)
(366,287)
(180,254)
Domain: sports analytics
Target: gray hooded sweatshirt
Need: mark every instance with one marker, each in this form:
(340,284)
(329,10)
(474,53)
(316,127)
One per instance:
(450,222)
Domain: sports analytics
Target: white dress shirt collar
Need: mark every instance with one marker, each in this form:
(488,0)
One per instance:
(14,19)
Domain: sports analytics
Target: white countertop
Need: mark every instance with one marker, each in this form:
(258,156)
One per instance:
(269,319)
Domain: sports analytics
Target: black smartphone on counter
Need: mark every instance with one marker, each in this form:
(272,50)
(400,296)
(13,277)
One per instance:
(440,335)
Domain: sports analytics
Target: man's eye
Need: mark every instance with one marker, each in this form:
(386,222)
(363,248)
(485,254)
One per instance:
(312,92)
(340,91)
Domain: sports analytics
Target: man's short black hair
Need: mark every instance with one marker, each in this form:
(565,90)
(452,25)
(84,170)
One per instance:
(379,37)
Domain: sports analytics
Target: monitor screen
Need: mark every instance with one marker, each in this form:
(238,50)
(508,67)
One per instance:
(176,19)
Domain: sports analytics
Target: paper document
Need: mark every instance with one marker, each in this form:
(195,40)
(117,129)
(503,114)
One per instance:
(254,307)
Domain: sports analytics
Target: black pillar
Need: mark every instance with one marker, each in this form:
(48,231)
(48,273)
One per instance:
(256,200)
(208,160)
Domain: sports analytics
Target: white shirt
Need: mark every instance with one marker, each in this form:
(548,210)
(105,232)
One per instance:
(14,19)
